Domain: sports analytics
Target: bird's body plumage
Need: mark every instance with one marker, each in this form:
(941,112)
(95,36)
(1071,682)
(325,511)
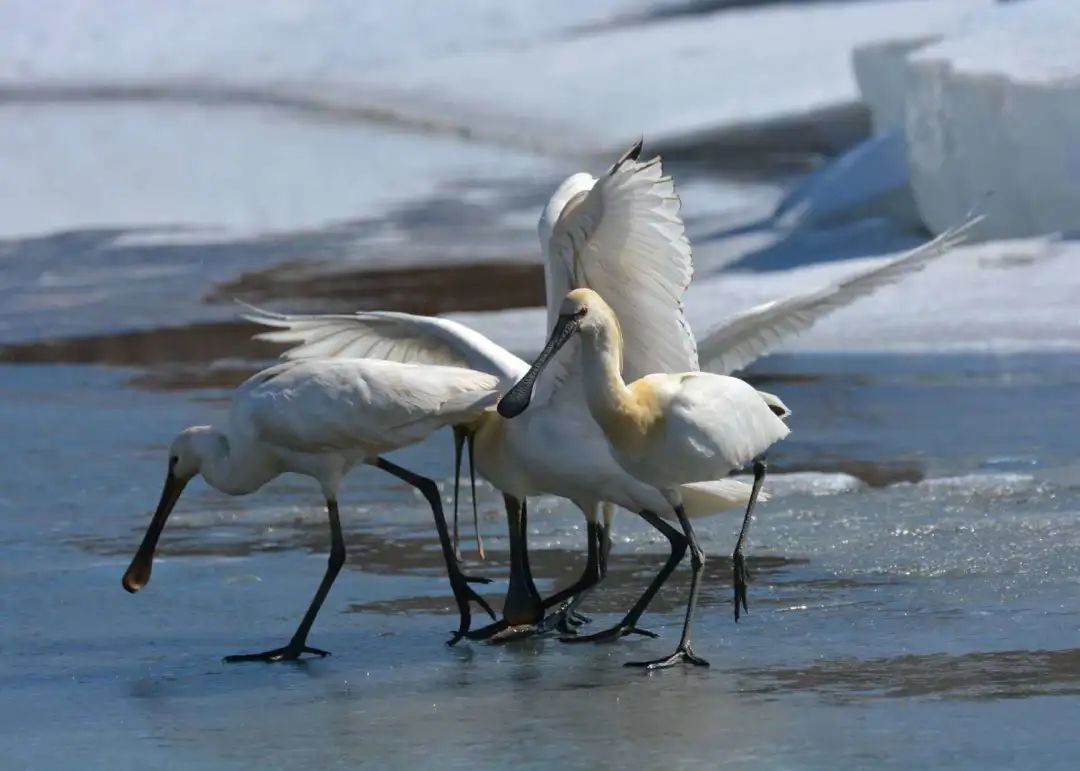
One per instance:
(562,451)
(355,408)
(707,426)
(319,418)
(663,429)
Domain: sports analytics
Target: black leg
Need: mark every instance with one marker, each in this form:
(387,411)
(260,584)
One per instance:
(589,576)
(629,623)
(523,607)
(738,561)
(684,653)
(534,594)
(603,546)
(563,619)
(459,441)
(523,602)
(603,532)
(459,582)
(472,487)
(298,644)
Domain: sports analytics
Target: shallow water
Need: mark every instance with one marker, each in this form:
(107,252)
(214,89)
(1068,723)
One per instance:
(927,622)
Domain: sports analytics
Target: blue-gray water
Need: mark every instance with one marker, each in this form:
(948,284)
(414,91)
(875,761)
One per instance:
(925,623)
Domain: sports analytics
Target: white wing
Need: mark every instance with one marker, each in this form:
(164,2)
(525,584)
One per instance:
(753,332)
(325,405)
(716,424)
(401,337)
(622,237)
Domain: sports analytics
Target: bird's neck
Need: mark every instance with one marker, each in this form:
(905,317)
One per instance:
(628,414)
(605,391)
(234,468)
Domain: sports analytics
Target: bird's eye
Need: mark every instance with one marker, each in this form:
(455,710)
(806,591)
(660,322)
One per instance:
(174,459)
(583,311)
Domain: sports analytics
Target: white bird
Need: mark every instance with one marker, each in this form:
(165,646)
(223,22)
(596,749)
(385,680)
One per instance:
(621,235)
(320,418)
(664,429)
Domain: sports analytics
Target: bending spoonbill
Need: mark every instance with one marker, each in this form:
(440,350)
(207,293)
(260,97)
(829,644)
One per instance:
(622,235)
(321,418)
(666,430)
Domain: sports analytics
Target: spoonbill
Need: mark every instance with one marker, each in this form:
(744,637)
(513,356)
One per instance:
(622,235)
(320,418)
(666,430)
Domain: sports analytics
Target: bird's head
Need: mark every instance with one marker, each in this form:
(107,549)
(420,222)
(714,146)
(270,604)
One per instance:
(188,450)
(582,310)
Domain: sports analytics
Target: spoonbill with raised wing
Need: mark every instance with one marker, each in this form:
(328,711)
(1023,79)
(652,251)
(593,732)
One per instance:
(666,430)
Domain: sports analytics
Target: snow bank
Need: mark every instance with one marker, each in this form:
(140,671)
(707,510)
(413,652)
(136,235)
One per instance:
(239,169)
(262,41)
(681,76)
(991,113)
(467,70)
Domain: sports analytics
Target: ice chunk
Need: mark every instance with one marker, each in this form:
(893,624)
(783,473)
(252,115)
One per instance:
(991,112)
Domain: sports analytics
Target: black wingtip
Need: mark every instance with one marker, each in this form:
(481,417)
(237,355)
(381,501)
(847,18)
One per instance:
(630,155)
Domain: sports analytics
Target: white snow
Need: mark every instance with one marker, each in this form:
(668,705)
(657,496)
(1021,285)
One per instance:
(240,169)
(992,117)
(677,77)
(263,41)
(498,70)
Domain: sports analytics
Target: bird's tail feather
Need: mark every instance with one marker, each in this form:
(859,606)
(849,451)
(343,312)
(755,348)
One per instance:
(703,498)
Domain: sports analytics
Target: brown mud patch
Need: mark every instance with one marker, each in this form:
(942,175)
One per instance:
(429,290)
(971,676)
(194,343)
(176,358)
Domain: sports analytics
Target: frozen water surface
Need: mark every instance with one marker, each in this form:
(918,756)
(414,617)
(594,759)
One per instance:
(914,596)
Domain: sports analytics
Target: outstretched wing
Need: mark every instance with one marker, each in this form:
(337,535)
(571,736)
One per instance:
(752,333)
(401,337)
(622,236)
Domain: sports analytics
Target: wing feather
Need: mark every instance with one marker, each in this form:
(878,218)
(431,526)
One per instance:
(752,333)
(390,336)
(623,237)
